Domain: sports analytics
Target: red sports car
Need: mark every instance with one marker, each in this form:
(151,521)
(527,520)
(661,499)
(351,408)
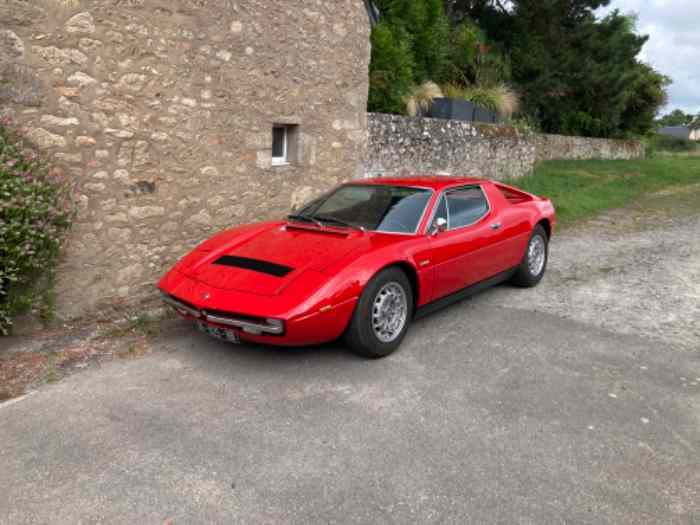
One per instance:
(362,261)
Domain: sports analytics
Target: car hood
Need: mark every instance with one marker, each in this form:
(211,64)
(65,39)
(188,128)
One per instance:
(266,261)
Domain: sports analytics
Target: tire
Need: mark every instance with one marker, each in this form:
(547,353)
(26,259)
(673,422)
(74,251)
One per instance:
(531,271)
(383,290)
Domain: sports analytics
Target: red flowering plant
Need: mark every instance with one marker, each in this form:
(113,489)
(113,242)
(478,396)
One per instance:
(35,211)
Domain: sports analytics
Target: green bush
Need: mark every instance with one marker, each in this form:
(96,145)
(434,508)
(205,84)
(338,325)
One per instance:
(500,99)
(35,211)
(526,123)
(666,144)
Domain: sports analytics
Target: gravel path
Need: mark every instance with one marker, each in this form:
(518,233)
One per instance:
(633,271)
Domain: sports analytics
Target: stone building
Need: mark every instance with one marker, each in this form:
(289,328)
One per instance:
(177,118)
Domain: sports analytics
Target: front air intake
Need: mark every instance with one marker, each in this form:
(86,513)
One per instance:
(254,265)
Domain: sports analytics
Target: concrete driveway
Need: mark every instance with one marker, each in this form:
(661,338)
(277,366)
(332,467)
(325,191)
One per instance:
(495,410)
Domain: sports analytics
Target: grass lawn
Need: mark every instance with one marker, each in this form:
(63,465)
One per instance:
(581,189)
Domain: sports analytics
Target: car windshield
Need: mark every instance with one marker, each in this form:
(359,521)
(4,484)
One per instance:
(389,209)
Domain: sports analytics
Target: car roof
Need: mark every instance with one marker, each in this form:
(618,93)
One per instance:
(433,182)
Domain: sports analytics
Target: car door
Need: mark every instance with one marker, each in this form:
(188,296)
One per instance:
(466,252)
(515,227)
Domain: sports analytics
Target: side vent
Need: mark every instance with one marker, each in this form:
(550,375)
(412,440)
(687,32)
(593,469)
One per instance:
(254,265)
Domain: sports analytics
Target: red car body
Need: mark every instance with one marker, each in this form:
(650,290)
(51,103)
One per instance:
(312,277)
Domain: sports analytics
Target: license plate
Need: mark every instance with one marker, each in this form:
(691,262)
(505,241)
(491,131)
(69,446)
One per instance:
(230,336)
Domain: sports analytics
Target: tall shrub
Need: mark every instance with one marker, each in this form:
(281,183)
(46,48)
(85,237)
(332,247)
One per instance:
(391,69)
(35,211)
(429,28)
(463,53)
(410,46)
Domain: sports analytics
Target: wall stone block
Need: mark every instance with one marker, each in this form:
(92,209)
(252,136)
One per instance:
(146,212)
(45,139)
(57,57)
(59,122)
(11,45)
(85,141)
(81,79)
(81,23)
(132,82)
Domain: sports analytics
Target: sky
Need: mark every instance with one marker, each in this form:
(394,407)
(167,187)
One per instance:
(673,47)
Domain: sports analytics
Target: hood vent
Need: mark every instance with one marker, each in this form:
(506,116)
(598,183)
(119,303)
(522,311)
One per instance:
(254,265)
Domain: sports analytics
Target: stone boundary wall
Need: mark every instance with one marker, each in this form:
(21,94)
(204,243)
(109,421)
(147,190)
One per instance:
(400,145)
(554,147)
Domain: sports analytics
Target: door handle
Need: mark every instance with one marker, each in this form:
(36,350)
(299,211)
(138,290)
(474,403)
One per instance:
(496,226)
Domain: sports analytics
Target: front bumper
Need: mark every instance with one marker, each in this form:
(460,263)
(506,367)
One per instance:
(316,327)
(249,326)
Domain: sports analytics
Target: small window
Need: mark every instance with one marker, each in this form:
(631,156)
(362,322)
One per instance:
(280,145)
(285,144)
(466,206)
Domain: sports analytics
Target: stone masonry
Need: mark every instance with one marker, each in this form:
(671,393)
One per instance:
(425,145)
(161,111)
(412,144)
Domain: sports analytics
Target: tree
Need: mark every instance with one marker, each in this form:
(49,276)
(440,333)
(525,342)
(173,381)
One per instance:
(576,74)
(676,118)
(618,94)
(463,52)
(391,69)
(647,95)
(696,122)
(426,28)
(476,9)
(410,46)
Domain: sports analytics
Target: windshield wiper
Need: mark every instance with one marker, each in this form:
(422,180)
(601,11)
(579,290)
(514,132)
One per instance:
(339,222)
(305,218)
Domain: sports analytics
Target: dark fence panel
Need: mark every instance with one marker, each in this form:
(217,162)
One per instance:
(456,109)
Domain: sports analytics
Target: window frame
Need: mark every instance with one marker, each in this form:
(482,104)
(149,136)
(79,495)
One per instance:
(284,160)
(443,195)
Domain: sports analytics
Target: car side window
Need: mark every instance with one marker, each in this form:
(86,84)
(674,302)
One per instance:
(466,206)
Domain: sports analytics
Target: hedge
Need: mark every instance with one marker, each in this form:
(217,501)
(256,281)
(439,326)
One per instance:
(36,209)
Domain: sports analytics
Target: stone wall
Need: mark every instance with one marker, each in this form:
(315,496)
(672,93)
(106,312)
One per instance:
(553,147)
(414,144)
(408,145)
(162,111)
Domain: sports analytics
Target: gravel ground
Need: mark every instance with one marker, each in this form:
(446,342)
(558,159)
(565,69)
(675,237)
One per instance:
(633,271)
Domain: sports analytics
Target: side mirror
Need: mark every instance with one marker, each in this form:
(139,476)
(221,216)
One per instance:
(439,226)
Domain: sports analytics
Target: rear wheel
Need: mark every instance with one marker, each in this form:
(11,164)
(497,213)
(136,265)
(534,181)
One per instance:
(382,315)
(534,263)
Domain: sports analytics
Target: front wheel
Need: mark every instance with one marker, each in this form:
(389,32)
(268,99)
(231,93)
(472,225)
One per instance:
(382,315)
(534,263)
